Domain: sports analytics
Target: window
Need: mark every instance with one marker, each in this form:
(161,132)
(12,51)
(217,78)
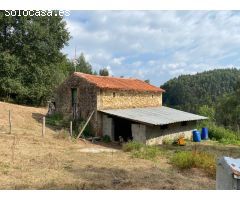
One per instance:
(152,96)
(183,123)
(114,94)
(163,127)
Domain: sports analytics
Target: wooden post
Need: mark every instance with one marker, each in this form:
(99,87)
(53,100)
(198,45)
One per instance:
(10,121)
(43,127)
(85,125)
(70,128)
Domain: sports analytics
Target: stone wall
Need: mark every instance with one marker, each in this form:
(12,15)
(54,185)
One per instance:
(110,99)
(86,102)
(155,135)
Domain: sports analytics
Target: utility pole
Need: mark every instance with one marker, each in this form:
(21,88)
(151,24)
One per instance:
(75,59)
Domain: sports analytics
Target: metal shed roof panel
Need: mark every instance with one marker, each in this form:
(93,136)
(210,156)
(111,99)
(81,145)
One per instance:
(154,115)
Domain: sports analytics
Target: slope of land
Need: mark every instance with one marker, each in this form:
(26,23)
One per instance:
(28,161)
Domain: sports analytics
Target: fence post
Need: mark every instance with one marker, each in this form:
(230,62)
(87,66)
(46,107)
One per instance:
(70,128)
(43,127)
(10,121)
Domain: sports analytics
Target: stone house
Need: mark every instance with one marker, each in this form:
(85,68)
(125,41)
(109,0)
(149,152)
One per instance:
(124,107)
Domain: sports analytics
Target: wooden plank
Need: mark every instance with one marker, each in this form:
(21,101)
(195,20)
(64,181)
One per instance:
(85,125)
(43,127)
(70,128)
(10,121)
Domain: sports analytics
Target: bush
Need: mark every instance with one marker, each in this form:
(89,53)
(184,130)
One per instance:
(147,152)
(57,120)
(221,134)
(188,159)
(106,139)
(167,141)
(139,150)
(132,146)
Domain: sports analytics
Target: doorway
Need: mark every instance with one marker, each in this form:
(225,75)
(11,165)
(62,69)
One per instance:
(122,127)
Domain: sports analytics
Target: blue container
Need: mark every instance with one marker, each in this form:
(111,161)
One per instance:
(204,135)
(196,136)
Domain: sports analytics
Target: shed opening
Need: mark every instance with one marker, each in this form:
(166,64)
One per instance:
(122,127)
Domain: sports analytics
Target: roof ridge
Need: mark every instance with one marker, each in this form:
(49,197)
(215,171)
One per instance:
(129,78)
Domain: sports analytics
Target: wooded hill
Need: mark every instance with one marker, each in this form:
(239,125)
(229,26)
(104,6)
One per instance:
(190,92)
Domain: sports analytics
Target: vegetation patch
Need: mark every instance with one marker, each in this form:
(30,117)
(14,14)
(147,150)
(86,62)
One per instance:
(142,151)
(189,159)
(62,134)
(106,139)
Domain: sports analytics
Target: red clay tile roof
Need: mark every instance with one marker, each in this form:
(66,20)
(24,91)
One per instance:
(107,82)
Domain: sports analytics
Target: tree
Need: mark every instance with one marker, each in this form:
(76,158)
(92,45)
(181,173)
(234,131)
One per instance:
(103,72)
(31,61)
(83,66)
(147,81)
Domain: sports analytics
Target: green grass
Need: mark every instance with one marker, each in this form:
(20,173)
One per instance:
(190,159)
(57,120)
(139,150)
(106,139)
(132,146)
(221,134)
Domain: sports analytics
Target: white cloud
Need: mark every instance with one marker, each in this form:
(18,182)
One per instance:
(156,45)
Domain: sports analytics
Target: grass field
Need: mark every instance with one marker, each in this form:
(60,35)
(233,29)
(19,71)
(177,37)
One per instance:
(28,161)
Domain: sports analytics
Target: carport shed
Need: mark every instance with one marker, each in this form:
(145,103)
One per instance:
(148,125)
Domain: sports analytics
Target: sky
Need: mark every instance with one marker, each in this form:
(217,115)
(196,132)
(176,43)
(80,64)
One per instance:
(155,45)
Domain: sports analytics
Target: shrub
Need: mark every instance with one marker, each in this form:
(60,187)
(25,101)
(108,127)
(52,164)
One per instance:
(188,159)
(57,120)
(139,150)
(221,134)
(132,146)
(147,152)
(167,141)
(106,139)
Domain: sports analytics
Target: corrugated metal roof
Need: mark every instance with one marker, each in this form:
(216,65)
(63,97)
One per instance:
(154,115)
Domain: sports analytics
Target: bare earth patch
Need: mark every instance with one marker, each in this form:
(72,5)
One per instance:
(28,161)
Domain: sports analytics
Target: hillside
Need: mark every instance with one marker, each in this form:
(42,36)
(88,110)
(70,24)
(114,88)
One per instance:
(28,161)
(189,92)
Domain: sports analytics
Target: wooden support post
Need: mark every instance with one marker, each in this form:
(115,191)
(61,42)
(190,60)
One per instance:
(10,121)
(85,125)
(43,127)
(70,128)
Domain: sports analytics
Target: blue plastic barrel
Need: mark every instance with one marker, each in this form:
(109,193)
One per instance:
(204,135)
(196,136)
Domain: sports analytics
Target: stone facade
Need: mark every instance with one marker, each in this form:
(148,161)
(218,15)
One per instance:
(91,98)
(86,100)
(156,135)
(110,99)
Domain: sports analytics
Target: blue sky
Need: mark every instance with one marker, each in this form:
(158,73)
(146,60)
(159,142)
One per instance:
(155,45)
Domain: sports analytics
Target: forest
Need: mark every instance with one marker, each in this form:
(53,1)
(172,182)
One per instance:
(214,94)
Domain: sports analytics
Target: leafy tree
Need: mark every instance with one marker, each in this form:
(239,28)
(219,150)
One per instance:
(147,81)
(103,72)
(31,62)
(83,66)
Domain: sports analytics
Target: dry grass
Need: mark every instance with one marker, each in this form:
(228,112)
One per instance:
(28,161)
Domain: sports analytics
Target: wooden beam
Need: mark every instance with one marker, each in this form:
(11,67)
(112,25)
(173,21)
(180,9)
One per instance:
(85,125)
(43,127)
